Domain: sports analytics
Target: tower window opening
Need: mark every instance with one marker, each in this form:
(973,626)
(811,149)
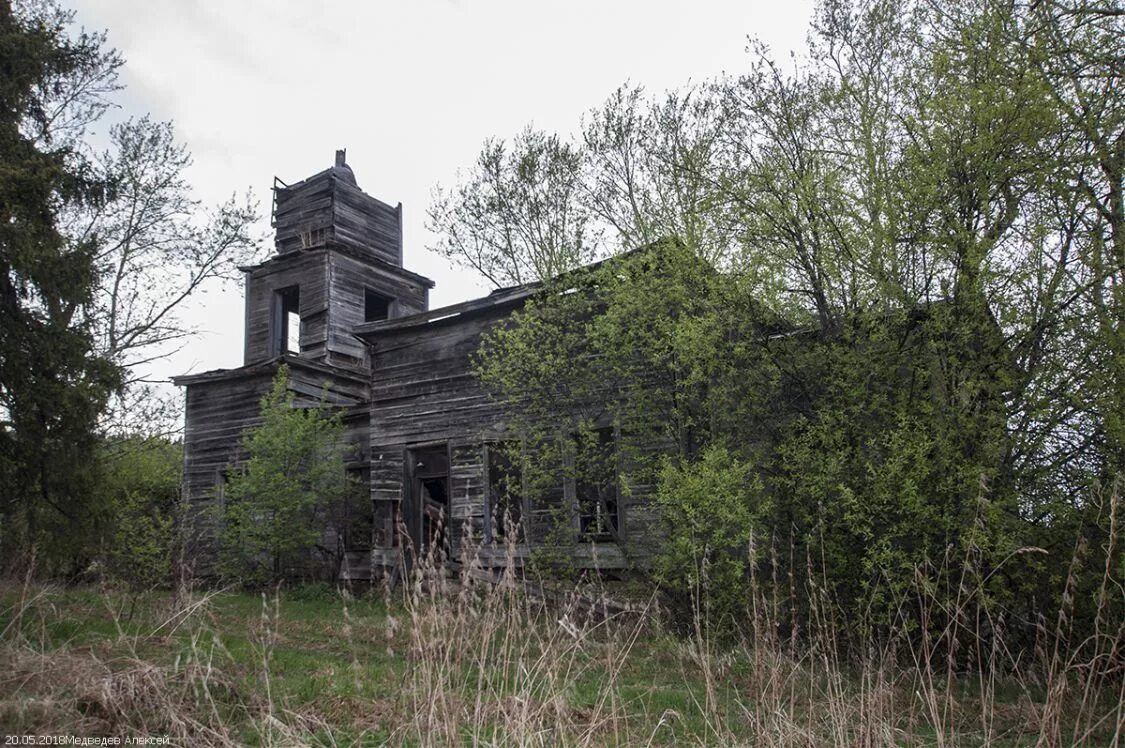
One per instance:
(375,306)
(287,338)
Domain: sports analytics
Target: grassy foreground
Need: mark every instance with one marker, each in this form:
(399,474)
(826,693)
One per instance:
(470,665)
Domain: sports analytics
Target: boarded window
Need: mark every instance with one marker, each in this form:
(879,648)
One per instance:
(375,306)
(595,485)
(359,512)
(222,481)
(287,320)
(505,497)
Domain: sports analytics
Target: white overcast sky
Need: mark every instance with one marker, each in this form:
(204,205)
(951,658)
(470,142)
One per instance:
(410,88)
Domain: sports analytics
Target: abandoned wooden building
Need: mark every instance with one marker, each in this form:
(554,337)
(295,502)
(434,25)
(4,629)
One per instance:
(336,306)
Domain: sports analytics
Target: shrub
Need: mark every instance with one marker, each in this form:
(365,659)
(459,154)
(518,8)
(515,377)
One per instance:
(276,507)
(708,508)
(141,491)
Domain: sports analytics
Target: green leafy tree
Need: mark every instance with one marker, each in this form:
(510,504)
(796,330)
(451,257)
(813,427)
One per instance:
(140,491)
(650,167)
(712,506)
(518,216)
(277,506)
(912,327)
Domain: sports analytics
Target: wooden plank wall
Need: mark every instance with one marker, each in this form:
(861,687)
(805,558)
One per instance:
(308,385)
(324,209)
(348,278)
(362,221)
(303,209)
(218,412)
(423,391)
(309,271)
(216,415)
(332,302)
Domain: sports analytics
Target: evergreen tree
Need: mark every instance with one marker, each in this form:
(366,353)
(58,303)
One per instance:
(53,386)
(276,507)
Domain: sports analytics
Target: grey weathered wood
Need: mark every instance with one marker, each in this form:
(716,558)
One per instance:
(423,391)
(402,382)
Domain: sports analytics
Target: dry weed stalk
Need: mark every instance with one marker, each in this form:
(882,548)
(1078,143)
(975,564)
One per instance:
(488,662)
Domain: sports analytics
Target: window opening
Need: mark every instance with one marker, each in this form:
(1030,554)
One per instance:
(595,485)
(222,482)
(375,306)
(288,325)
(431,490)
(505,499)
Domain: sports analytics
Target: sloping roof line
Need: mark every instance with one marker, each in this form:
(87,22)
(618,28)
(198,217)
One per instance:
(498,298)
(267,367)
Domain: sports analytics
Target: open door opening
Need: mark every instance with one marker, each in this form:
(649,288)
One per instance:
(429,500)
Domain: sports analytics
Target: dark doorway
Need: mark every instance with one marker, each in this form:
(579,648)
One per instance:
(429,499)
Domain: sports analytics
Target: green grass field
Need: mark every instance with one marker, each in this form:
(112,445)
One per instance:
(470,666)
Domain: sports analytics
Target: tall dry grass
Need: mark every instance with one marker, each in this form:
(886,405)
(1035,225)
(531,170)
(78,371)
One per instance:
(490,664)
(112,687)
(480,661)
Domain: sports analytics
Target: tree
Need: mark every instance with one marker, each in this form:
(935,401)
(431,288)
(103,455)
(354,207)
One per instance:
(156,249)
(140,495)
(650,170)
(914,334)
(155,246)
(98,252)
(518,216)
(1076,47)
(53,383)
(275,509)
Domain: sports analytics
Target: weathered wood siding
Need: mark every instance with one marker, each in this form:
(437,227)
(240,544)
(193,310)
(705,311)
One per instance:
(302,212)
(217,413)
(309,272)
(348,279)
(331,284)
(368,223)
(325,208)
(423,392)
(221,406)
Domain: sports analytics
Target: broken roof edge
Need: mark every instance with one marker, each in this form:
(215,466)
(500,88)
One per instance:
(496,299)
(338,174)
(266,367)
(499,298)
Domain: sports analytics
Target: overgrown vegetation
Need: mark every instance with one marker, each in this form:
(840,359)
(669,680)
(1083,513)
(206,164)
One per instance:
(880,340)
(53,384)
(439,663)
(278,507)
(141,499)
(867,360)
(101,245)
